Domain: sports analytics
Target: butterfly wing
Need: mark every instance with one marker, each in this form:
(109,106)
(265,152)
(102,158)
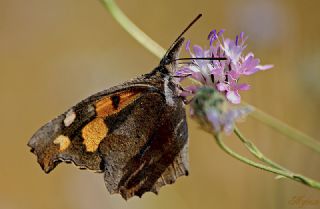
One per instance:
(135,133)
(63,138)
(155,137)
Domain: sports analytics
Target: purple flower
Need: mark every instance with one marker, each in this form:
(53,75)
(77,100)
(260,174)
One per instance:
(232,50)
(223,75)
(248,66)
(232,89)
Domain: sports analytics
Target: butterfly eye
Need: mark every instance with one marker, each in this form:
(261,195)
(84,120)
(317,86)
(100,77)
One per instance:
(113,104)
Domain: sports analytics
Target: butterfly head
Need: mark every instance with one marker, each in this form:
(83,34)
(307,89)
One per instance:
(172,53)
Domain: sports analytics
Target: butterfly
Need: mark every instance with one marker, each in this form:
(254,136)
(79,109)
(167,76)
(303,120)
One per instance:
(135,133)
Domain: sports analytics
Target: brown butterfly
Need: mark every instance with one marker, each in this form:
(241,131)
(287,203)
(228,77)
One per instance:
(135,133)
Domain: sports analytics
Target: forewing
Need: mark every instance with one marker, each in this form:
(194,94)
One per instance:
(74,136)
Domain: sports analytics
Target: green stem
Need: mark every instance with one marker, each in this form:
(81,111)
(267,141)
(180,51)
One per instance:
(256,152)
(133,30)
(158,51)
(285,129)
(296,177)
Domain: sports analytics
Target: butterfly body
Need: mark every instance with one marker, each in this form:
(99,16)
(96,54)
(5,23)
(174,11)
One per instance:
(135,133)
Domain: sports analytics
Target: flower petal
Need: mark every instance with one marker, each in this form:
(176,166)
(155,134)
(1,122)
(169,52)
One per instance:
(264,67)
(214,119)
(233,97)
(234,73)
(220,32)
(188,91)
(243,86)
(228,127)
(188,46)
(183,71)
(250,71)
(198,51)
(234,115)
(212,34)
(223,87)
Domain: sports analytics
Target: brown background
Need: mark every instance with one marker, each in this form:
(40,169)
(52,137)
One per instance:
(55,53)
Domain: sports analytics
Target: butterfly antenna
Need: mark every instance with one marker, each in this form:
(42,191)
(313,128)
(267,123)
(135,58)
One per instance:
(169,56)
(186,29)
(201,58)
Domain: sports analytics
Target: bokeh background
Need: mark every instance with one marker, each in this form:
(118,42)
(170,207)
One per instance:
(55,53)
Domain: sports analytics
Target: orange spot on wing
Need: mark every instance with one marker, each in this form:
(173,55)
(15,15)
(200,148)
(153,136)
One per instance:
(105,107)
(93,133)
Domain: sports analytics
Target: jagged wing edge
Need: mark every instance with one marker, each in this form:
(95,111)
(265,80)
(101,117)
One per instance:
(179,167)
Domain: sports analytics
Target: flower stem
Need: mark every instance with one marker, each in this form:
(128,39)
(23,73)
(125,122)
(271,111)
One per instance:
(255,151)
(133,30)
(285,129)
(285,173)
(158,51)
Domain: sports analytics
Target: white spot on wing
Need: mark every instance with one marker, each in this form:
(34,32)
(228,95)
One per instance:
(70,116)
(168,92)
(90,109)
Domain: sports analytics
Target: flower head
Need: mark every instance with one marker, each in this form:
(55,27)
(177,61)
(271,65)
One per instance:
(214,113)
(223,75)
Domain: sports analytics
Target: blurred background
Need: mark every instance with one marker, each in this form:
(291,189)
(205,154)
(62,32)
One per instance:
(55,53)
